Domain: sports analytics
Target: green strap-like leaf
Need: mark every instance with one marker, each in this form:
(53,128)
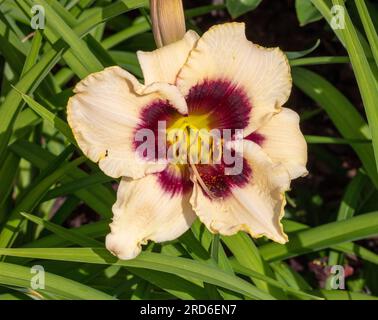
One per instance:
(15,275)
(147,260)
(324,236)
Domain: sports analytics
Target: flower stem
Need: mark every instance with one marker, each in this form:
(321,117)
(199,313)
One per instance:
(168,21)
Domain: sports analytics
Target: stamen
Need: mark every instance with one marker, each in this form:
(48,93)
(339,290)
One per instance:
(202,184)
(194,139)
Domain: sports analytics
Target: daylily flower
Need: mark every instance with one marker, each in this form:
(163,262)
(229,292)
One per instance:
(220,80)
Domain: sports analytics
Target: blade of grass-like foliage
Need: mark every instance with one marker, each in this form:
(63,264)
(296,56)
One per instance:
(8,47)
(359,251)
(35,193)
(146,260)
(21,197)
(76,7)
(26,121)
(332,140)
(128,61)
(9,37)
(142,290)
(253,274)
(291,226)
(325,8)
(93,230)
(199,11)
(348,208)
(216,257)
(181,288)
(345,295)
(99,229)
(32,56)
(135,4)
(10,168)
(65,211)
(370,31)
(66,236)
(47,115)
(78,46)
(348,248)
(14,16)
(49,32)
(97,48)
(177,286)
(237,8)
(99,198)
(318,61)
(287,275)
(64,13)
(300,54)
(343,114)
(13,102)
(366,81)
(83,240)
(7,174)
(247,254)
(138,27)
(306,12)
(98,52)
(202,234)
(324,236)
(225,265)
(77,238)
(72,187)
(102,14)
(223,260)
(13,296)
(63,76)
(142,25)
(309,114)
(34,253)
(194,247)
(15,275)
(214,251)
(12,105)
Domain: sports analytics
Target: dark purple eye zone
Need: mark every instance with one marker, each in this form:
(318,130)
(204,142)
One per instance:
(218,183)
(256,137)
(159,110)
(175,180)
(226,104)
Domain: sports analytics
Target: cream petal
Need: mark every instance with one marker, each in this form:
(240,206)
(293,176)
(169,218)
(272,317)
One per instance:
(284,142)
(104,113)
(256,207)
(163,65)
(145,211)
(224,53)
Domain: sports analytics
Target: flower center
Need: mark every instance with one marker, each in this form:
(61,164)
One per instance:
(191,141)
